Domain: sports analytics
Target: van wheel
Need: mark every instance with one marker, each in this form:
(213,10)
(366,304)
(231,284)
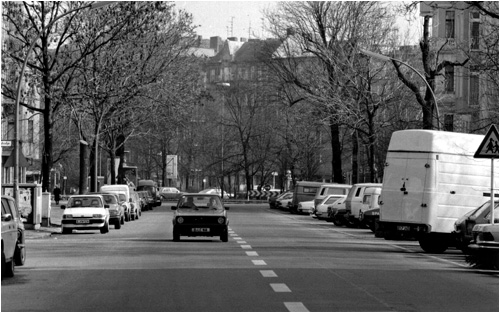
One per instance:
(177,236)
(432,244)
(224,236)
(122,220)
(118,224)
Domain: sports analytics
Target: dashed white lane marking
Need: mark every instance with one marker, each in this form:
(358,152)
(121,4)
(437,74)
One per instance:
(237,238)
(296,307)
(268,273)
(258,262)
(246,246)
(252,253)
(233,235)
(280,288)
(241,241)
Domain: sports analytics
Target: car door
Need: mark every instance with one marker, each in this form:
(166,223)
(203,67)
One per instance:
(9,229)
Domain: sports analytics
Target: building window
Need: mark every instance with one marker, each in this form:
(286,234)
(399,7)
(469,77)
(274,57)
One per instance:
(448,122)
(449,79)
(474,30)
(450,24)
(31,131)
(474,89)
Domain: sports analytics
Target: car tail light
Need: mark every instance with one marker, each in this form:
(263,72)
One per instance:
(180,220)
(221,220)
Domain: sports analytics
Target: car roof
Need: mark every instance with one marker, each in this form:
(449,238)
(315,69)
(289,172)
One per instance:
(199,195)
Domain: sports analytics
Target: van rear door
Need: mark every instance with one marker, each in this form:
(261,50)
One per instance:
(406,177)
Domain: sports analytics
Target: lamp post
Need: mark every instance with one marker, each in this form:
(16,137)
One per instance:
(386,58)
(226,85)
(18,91)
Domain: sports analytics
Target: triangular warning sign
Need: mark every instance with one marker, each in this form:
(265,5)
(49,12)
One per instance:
(488,149)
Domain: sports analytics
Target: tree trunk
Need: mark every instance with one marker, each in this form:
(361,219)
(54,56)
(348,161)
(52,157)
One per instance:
(47,162)
(82,183)
(355,153)
(336,153)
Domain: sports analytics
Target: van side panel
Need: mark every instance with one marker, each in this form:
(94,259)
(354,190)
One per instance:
(461,183)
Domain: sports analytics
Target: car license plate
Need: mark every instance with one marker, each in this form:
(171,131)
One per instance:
(82,221)
(201,230)
(404,228)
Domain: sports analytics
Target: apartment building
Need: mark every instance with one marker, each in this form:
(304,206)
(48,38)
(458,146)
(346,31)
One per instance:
(467,95)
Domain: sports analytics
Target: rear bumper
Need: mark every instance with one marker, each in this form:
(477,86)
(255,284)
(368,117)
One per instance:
(197,230)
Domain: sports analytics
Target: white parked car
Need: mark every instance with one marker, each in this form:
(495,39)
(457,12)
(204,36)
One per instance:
(214,191)
(85,212)
(321,210)
(306,207)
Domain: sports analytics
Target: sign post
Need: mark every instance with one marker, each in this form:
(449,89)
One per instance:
(488,149)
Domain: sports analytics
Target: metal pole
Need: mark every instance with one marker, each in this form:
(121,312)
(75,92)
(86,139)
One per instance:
(492,195)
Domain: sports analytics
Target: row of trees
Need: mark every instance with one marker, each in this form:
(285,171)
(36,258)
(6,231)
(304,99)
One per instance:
(123,76)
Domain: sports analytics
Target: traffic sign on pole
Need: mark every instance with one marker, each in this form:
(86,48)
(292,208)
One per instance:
(488,149)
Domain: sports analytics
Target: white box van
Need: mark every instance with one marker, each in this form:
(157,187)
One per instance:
(354,200)
(430,180)
(330,189)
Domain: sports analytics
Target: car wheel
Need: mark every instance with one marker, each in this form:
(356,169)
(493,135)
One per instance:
(118,224)
(105,228)
(127,217)
(224,236)
(19,255)
(432,244)
(7,267)
(122,220)
(132,217)
(67,230)
(177,236)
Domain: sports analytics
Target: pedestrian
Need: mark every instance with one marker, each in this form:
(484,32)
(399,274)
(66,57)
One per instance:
(57,194)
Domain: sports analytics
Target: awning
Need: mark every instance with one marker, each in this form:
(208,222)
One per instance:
(10,160)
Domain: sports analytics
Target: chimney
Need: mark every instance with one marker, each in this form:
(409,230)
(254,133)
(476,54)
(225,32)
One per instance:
(232,38)
(215,43)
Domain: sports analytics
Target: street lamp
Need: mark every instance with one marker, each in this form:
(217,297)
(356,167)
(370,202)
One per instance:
(19,81)
(386,58)
(226,85)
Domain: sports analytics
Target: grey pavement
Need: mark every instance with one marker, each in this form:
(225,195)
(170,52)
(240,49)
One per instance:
(55,223)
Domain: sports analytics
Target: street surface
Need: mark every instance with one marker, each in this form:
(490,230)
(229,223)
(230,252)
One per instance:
(274,261)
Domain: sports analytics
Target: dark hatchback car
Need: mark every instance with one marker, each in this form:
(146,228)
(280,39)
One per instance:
(465,224)
(200,215)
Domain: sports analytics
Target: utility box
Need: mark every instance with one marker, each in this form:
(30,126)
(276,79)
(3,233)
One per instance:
(29,202)
(46,209)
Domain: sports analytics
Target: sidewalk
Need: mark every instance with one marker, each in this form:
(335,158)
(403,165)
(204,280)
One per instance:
(55,223)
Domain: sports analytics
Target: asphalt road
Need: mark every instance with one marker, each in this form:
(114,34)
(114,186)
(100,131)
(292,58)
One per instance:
(274,261)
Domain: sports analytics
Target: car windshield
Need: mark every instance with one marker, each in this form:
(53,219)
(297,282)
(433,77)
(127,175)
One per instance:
(76,202)
(331,200)
(109,199)
(200,202)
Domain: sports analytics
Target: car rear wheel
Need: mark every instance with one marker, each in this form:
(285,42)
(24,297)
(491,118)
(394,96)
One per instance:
(118,224)
(20,254)
(127,217)
(105,228)
(67,230)
(177,236)
(224,236)
(122,220)
(7,267)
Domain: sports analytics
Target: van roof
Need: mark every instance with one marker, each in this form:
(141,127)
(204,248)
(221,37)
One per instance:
(336,185)
(418,140)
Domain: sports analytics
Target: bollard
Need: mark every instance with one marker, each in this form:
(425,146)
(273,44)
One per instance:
(46,209)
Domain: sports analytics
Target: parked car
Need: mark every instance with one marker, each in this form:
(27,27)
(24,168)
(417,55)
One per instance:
(85,212)
(305,207)
(321,209)
(121,189)
(273,201)
(303,191)
(285,201)
(216,191)
(356,201)
(13,237)
(136,205)
(333,208)
(483,250)
(370,202)
(198,214)
(170,193)
(330,189)
(116,210)
(152,187)
(465,224)
(122,200)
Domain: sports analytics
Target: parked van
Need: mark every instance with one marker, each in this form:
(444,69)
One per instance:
(431,179)
(152,187)
(354,201)
(330,189)
(304,191)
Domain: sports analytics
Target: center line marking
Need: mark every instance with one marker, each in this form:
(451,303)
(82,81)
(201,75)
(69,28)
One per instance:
(252,253)
(246,246)
(258,262)
(296,307)
(237,238)
(280,288)
(241,241)
(268,273)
